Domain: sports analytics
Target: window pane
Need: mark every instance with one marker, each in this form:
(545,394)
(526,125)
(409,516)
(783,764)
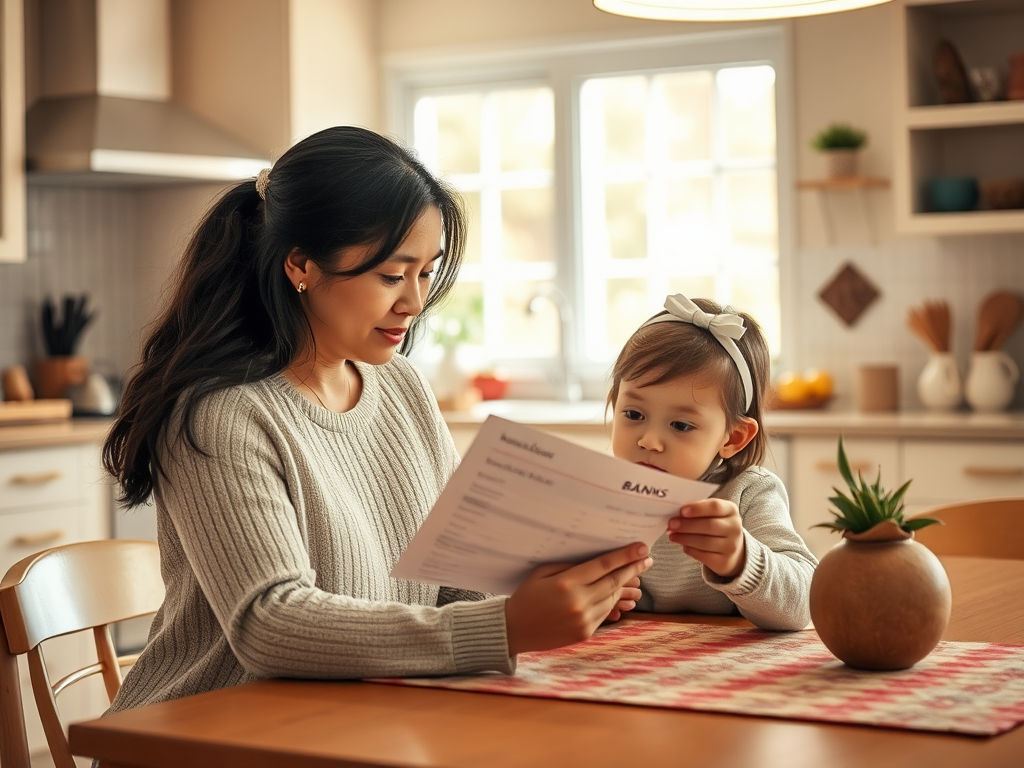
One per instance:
(693,286)
(684,103)
(758,295)
(691,222)
(461,319)
(753,214)
(625,210)
(748,111)
(458,133)
(526,120)
(627,308)
(528,224)
(474,247)
(534,333)
(624,105)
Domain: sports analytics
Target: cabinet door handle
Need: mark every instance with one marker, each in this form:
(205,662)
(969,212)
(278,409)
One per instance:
(38,539)
(994,471)
(832,466)
(37,479)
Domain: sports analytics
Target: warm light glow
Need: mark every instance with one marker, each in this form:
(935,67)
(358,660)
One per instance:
(727,10)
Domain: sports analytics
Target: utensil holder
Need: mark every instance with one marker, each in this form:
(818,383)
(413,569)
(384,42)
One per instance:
(991,381)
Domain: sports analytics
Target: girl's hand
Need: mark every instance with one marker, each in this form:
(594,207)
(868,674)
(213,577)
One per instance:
(711,532)
(627,600)
(561,604)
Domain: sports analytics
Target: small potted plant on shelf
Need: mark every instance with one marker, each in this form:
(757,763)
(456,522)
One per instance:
(840,143)
(62,333)
(879,600)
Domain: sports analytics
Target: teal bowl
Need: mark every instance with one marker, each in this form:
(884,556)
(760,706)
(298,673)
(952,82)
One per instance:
(953,193)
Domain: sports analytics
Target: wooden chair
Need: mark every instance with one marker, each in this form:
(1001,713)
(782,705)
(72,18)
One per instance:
(76,587)
(985,528)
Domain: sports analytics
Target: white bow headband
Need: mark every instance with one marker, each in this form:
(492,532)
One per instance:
(726,328)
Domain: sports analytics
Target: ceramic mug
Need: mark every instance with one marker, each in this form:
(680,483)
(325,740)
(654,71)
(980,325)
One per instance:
(939,385)
(991,381)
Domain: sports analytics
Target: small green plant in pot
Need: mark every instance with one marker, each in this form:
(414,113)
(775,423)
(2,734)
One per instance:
(840,143)
(879,600)
(62,332)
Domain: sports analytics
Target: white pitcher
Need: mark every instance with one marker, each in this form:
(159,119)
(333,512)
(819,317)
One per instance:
(991,381)
(939,385)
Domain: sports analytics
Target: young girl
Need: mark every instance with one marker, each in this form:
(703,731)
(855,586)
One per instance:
(292,453)
(688,394)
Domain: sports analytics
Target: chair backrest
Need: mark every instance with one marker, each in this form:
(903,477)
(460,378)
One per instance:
(985,528)
(76,587)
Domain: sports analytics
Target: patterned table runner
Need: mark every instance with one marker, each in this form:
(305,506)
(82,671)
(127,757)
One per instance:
(972,688)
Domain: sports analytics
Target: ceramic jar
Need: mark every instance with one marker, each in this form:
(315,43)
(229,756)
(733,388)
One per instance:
(991,381)
(880,600)
(939,385)
(55,374)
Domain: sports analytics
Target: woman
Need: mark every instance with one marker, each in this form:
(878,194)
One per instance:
(292,454)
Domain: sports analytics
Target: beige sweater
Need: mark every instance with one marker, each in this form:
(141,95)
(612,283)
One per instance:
(276,546)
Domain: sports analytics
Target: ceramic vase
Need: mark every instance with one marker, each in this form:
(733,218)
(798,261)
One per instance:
(939,385)
(56,373)
(991,381)
(449,382)
(880,600)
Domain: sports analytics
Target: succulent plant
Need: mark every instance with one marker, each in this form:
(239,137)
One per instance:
(869,505)
(62,335)
(839,136)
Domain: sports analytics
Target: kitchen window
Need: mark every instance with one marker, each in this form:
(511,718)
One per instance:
(600,178)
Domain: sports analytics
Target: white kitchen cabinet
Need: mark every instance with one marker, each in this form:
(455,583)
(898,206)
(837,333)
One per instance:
(980,140)
(48,497)
(946,471)
(941,472)
(12,132)
(814,472)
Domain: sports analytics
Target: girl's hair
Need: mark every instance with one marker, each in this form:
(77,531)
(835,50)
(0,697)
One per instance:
(234,316)
(664,352)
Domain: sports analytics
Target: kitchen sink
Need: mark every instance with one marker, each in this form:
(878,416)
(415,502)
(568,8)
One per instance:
(543,411)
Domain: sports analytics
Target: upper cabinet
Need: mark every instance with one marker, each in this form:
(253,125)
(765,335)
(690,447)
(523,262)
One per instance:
(973,138)
(12,132)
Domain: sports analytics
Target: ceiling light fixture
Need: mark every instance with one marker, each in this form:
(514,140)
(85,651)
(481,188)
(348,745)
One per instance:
(727,10)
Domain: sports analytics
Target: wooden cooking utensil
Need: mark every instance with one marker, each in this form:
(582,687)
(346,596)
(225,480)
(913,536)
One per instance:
(998,316)
(930,323)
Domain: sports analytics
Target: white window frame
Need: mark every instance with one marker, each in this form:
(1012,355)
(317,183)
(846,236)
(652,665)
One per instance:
(564,67)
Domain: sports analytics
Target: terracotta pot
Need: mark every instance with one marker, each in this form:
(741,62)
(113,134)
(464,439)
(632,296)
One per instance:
(55,374)
(880,600)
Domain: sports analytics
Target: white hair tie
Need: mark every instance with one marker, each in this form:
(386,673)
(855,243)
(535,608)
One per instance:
(725,327)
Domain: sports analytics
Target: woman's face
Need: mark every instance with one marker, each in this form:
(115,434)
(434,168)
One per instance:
(365,318)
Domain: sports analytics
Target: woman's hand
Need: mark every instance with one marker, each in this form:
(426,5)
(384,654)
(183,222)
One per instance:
(561,604)
(711,532)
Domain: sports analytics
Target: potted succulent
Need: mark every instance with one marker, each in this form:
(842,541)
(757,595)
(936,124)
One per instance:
(840,143)
(879,600)
(62,332)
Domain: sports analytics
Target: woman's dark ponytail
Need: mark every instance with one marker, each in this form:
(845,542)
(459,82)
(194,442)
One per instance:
(234,317)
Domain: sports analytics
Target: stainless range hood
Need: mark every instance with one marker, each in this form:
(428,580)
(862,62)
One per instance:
(105,115)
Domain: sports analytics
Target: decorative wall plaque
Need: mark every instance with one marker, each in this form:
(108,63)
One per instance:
(849,293)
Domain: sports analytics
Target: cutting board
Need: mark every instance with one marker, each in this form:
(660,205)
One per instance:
(26,411)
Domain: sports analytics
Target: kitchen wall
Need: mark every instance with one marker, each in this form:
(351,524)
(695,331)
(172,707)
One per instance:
(121,245)
(843,69)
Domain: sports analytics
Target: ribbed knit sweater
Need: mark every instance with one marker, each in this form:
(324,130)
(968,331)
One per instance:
(277,544)
(772,591)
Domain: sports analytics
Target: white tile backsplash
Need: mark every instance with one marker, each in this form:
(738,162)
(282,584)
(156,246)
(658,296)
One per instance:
(79,241)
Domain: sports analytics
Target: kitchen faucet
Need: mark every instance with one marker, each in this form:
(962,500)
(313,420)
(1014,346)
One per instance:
(569,388)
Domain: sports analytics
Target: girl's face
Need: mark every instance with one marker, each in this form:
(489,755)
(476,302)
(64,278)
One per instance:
(676,426)
(365,318)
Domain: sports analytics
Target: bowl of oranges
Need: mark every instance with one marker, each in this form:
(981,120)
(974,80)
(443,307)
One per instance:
(810,389)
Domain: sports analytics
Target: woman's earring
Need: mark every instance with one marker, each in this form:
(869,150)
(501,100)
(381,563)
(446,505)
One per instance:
(300,287)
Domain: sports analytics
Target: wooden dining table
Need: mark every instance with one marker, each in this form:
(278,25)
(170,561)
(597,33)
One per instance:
(307,724)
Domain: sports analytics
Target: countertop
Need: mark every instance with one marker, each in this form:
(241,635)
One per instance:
(46,434)
(825,422)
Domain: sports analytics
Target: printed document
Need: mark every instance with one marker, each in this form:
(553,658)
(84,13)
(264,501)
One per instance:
(522,497)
